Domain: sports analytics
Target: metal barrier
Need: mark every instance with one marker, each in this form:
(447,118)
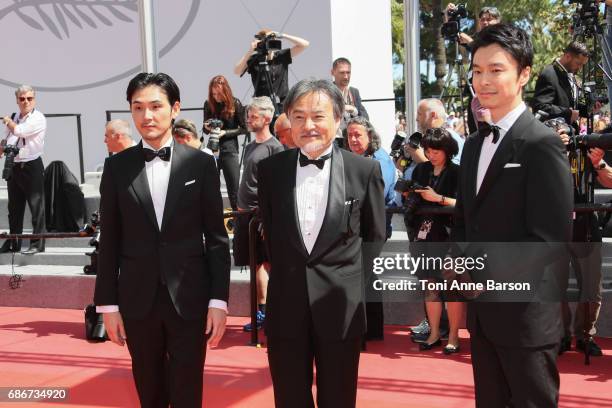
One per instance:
(79,137)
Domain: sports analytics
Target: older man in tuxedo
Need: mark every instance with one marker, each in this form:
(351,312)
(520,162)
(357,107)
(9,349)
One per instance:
(160,286)
(319,206)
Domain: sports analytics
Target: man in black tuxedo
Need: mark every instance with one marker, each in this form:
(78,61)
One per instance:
(556,90)
(514,187)
(160,286)
(319,205)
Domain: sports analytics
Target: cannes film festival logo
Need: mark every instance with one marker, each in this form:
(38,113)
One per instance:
(69,45)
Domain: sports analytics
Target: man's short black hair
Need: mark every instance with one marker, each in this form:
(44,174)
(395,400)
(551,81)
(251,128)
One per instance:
(577,48)
(339,61)
(164,81)
(440,139)
(514,40)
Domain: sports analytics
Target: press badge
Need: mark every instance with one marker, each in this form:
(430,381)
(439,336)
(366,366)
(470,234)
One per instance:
(424,230)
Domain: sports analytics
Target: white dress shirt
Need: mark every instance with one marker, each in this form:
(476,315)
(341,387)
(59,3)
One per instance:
(158,177)
(489,148)
(28,135)
(311,191)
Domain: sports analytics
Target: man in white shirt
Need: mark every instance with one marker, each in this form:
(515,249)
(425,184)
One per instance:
(161,288)
(25,183)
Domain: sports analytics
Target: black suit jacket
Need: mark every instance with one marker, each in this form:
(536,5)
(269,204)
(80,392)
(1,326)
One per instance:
(135,253)
(328,282)
(553,93)
(361,110)
(529,203)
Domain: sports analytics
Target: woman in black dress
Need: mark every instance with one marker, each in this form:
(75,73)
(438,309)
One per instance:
(440,176)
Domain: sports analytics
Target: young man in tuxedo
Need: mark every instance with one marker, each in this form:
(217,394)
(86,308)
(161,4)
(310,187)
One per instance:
(319,205)
(160,286)
(514,187)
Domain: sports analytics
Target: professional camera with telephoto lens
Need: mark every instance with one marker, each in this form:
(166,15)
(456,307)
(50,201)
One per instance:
(10,152)
(600,140)
(215,126)
(396,145)
(415,139)
(407,186)
(452,27)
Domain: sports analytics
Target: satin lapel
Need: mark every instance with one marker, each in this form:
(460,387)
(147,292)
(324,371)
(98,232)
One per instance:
(503,155)
(471,169)
(287,192)
(334,214)
(140,184)
(176,184)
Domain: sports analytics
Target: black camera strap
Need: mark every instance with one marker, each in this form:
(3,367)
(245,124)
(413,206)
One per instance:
(13,115)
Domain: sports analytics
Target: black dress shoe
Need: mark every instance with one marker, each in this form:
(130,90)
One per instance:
(429,346)
(594,349)
(450,349)
(32,251)
(566,345)
(422,327)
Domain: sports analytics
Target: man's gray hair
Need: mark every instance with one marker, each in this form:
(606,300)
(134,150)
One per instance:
(373,135)
(120,126)
(263,104)
(23,89)
(310,85)
(435,105)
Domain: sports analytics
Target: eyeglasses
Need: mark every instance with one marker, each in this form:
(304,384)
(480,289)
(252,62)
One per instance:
(23,98)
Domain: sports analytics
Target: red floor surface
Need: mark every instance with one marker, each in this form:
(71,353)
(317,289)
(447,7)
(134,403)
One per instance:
(45,348)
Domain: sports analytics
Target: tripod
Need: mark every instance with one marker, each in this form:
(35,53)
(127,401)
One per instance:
(457,65)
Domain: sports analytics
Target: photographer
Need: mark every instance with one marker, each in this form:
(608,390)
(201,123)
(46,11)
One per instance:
(265,52)
(486,17)
(556,90)
(25,180)
(438,178)
(222,105)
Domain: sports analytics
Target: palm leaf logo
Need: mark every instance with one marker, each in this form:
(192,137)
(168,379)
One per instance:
(55,15)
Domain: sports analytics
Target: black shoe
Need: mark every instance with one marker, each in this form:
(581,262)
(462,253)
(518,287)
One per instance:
(594,349)
(422,327)
(419,338)
(450,349)
(429,346)
(566,345)
(10,245)
(32,251)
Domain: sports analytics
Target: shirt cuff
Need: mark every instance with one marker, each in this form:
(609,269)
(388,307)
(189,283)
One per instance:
(107,309)
(218,304)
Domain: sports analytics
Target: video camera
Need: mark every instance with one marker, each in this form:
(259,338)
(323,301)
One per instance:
(266,43)
(450,30)
(585,21)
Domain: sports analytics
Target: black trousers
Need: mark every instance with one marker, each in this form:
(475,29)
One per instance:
(291,366)
(27,185)
(514,376)
(229,163)
(168,355)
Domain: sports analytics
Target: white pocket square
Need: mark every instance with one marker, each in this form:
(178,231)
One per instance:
(190,182)
(511,165)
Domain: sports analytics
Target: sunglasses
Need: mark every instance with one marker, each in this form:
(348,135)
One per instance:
(23,98)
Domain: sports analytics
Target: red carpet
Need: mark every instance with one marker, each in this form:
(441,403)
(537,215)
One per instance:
(45,348)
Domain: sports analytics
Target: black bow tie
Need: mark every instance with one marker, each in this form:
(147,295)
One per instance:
(163,153)
(485,129)
(320,162)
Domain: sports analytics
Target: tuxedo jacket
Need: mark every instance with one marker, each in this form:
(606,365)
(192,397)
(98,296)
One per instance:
(136,254)
(525,197)
(553,93)
(326,285)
